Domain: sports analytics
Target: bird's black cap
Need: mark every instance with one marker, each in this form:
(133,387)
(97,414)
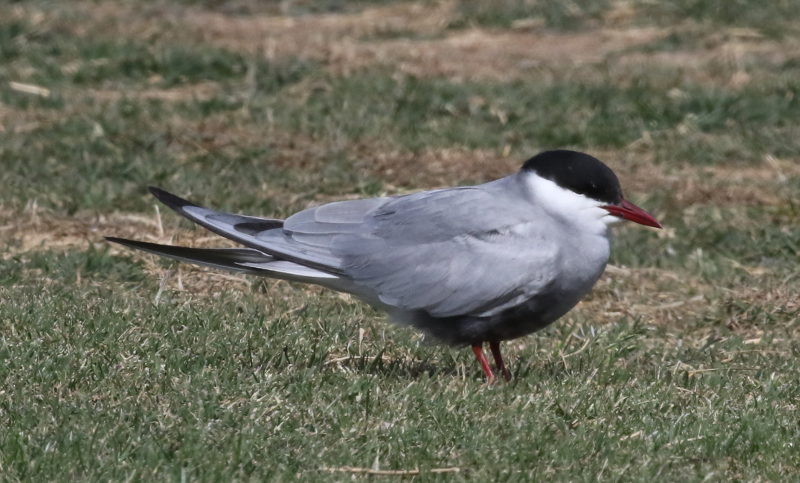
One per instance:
(578,172)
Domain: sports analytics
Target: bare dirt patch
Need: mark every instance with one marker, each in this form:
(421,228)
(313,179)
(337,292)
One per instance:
(316,36)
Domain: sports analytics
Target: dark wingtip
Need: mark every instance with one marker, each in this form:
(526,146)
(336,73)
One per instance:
(120,241)
(139,245)
(172,201)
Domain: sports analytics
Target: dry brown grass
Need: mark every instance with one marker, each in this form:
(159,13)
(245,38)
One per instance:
(630,292)
(414,38)
(478,54)
(37,230)
(202,91)
(16,120)
(761,185)
(345,42)
(721,186)
(671,299)
(719,57)
(432,168)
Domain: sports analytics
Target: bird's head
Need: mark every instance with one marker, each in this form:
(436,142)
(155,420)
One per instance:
(577,186)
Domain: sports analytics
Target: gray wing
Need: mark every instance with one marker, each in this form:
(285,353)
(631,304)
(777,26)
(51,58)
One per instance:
(450,252)
(473,250)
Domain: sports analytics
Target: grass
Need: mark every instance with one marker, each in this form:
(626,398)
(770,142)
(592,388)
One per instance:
(557,15)
(117,386)
(680,366)
(773,19)
(566,112)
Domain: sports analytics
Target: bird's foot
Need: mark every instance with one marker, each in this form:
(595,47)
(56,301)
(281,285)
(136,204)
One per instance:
(498,360)
(477,348)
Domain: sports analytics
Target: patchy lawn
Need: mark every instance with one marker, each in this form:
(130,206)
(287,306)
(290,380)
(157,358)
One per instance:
(680,366)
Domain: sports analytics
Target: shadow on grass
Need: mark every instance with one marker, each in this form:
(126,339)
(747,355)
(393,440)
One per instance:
(404,367)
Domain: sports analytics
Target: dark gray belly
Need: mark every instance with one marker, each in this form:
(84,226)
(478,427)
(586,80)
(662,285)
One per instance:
(534,314)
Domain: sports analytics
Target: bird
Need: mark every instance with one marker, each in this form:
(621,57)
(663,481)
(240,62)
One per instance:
(466,265)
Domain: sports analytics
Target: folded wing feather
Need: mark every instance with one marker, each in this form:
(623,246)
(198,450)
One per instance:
(448,252)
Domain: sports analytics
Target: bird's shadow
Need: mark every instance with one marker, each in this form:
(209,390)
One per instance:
(403,367)
(410,368)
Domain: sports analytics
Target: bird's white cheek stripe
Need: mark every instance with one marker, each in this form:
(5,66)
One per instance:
(570,206)
(555,198)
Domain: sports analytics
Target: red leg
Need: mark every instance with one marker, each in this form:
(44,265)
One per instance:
(477,348)
(498,359)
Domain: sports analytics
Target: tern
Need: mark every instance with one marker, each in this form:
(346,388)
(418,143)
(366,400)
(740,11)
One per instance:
(465,265)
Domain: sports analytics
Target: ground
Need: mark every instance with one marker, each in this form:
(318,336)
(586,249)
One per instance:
(682,365)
